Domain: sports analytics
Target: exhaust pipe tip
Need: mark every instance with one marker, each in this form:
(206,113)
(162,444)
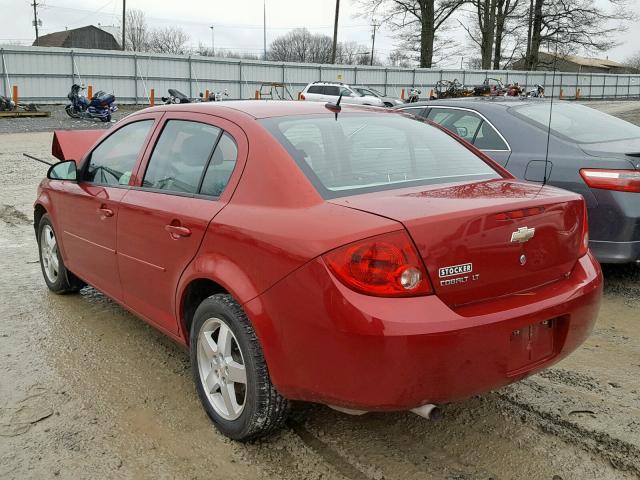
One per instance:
(428,411)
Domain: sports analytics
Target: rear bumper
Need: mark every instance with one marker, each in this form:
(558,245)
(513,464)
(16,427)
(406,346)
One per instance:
(325,343)
(615,252)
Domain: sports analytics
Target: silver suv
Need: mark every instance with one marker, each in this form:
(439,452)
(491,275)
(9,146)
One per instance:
(330,91)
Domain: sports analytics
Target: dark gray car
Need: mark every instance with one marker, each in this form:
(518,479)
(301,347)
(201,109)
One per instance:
(590,152)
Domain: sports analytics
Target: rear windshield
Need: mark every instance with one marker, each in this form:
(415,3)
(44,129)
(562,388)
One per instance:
(358,153)
(577,123)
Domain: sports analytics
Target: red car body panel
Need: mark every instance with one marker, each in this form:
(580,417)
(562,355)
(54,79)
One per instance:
(263,240)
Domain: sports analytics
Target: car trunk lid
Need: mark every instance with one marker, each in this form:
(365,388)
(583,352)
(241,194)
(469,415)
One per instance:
(628,149)
(485,240)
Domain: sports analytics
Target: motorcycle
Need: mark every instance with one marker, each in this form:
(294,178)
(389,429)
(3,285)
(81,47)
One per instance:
(175,96)
(101,105)
(414,95)
(213,96)
(8,105)
(536,92)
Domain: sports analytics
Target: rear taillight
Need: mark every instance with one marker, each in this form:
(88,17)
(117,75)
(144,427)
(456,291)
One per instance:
(385,266)
(302,97)
(620,180)
(584,243)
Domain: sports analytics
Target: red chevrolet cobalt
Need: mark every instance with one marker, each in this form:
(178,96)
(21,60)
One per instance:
(348,256)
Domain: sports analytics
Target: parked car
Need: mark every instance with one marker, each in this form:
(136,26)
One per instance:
(590,152)
(344,256)
(331,91)
(388,100)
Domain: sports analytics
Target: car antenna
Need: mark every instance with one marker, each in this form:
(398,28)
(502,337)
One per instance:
(37,159)
(553,84)
(335,107)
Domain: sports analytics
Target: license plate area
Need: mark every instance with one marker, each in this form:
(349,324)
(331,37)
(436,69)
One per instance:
(530,345)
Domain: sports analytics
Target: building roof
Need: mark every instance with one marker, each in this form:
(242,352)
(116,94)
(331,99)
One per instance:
(586,61)
(64,38)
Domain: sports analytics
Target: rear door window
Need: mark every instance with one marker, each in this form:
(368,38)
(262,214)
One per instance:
(487,138)
(180,156)
(331,90)
(220,167)
(463,123)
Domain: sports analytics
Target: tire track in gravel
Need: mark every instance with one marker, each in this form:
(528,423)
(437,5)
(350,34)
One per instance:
(12,216)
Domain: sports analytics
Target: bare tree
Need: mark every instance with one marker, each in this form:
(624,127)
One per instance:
(572,25)
(424,17)
(506,10)
(490,29)
(137,31)
(171,40)
(399,58)
(205,51)
(633,61)
(300,45)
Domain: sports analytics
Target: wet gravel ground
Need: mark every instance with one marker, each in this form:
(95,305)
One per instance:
(89,391)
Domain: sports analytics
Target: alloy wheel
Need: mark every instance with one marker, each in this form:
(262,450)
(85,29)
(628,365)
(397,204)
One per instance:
(222,369)
(49,253)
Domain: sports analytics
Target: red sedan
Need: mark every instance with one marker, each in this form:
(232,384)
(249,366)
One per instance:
(354,257)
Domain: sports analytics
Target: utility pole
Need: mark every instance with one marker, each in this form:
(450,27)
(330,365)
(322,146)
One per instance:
(35,20)
(264,27)
(373,41)
(124,22)
(335,33)
(213,50)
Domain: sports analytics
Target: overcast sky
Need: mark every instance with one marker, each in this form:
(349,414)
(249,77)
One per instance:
(237,23)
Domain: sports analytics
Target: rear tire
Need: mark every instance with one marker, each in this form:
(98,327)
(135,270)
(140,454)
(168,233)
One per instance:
(56,276)
(230,373)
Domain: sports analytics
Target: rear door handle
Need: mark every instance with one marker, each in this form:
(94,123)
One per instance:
(177,231)
(105,212)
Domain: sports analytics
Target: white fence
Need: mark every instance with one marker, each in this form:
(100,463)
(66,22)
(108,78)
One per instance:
(45,75)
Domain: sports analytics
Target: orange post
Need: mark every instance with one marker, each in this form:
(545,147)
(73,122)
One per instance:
(430,94)
(299,94)
(257,94)
(206,95)
(152,97)
(15,94)
(402,94)
(577,94)
(90,91)
(561,94)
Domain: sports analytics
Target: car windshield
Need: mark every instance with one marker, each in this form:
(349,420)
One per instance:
(578,123)
(357,153)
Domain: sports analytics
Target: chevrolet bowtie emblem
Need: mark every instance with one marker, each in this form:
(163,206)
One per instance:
(523,234)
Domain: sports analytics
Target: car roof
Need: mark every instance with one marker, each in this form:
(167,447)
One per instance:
(264,108)
(476,103)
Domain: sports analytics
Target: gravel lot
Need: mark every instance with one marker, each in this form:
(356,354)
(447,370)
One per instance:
(89,391)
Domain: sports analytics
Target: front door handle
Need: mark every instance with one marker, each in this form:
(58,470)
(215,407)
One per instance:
(105,212)
(177,231)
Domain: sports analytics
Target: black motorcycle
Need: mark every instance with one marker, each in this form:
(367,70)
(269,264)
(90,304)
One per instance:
(175,96)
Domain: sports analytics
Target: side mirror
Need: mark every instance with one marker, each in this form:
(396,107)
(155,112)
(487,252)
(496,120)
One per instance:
(462,131)
(66,170)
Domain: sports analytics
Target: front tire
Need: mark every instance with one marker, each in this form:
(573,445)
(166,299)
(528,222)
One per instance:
(230,372)
(56,276)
